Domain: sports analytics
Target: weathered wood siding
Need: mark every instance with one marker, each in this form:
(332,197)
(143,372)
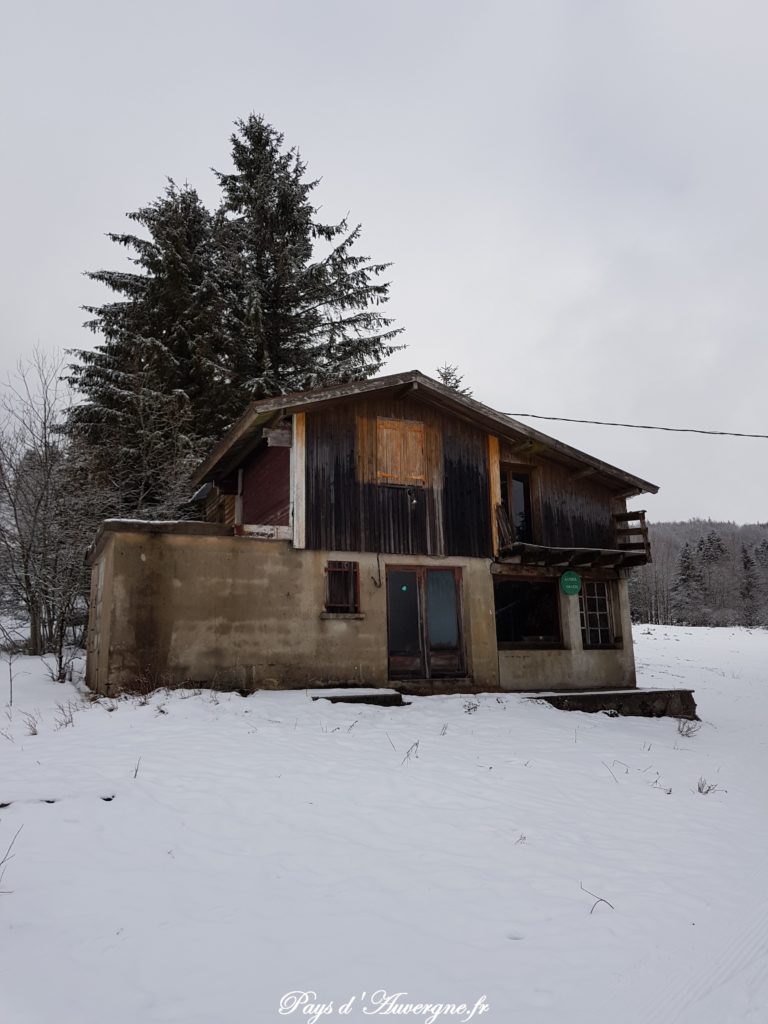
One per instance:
(349,510)
(569,510)
(267,488)
(220,508)
(466,491)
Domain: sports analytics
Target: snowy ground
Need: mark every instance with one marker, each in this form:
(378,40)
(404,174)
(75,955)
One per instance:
(195,857)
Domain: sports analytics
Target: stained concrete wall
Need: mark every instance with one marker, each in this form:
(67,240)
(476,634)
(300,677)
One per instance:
(243,612)
(571,667)
(216,609)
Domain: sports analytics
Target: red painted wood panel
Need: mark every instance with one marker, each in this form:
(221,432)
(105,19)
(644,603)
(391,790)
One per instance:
(267,488)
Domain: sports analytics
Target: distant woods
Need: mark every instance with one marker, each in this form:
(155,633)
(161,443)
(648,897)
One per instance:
(704,574)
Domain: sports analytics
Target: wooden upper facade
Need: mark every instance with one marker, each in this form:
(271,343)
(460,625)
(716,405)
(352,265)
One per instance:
(404,465)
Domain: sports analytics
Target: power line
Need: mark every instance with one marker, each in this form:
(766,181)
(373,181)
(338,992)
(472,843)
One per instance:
(635,426)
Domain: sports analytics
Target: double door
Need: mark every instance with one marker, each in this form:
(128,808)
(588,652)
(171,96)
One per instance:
(424,622)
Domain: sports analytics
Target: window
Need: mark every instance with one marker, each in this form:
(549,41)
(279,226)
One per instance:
(527,613)
(400,452)
(342,588)
(596,614)
(516,499)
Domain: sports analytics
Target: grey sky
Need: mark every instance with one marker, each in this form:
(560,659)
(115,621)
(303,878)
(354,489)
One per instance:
(573,193)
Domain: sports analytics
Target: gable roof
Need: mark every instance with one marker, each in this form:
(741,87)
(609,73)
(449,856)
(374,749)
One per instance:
(246,432)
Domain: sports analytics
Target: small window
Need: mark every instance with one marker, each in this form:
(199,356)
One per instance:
(400,452)
(342,588)
(527,613)
(596,614)
(516,499)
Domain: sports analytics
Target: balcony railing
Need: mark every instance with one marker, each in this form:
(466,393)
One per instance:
(631,546)
(632,534)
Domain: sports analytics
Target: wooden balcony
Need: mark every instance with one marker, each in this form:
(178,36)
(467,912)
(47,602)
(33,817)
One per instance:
(632,546)
(632,535)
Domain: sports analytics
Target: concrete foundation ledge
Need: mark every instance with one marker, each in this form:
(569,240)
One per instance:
(433,687)
(360,695)
(642,703)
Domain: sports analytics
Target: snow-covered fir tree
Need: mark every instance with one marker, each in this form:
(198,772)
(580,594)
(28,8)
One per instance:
(304,307)
(688,588)
(748,590)
(257,298)
(144,386)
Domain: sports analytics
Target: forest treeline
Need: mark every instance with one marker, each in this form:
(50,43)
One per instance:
(703,573)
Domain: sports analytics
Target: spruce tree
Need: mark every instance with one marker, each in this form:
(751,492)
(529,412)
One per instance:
(258,298)
(687,589)
(144,388)
(711,551)
(448,374)
(761,563)
(748,589)
(303,308)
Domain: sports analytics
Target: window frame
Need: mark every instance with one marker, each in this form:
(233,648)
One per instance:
(532,645)
(340,568)
(430,663)
(509,470)
(610,638)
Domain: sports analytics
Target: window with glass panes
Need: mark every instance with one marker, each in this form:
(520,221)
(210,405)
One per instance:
(596,614)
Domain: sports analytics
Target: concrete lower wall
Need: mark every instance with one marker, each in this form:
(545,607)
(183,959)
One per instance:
(230,611)
(248,613)
(572,667)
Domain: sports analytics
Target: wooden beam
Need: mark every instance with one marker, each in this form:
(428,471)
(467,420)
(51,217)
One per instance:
(299,480)
(277,437)
(584,558)
(494,479)
(239,499)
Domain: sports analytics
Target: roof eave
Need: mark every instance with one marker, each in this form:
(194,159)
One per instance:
(241,434)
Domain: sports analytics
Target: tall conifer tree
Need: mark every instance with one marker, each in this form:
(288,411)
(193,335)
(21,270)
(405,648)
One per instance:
(688,588)
(303,306)
(255,299)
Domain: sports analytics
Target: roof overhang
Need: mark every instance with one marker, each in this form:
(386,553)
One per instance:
(246,433)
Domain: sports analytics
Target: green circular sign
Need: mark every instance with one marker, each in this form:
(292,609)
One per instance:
(570,582)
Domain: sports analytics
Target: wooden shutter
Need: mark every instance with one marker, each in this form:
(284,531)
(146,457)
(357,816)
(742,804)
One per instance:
(400,457)
(389,451)
(413,453)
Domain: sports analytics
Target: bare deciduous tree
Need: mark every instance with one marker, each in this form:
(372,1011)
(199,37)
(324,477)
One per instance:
(47,509)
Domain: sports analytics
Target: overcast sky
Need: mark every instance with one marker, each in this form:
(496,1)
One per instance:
(573,194)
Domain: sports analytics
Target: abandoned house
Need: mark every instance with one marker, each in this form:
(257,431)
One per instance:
(387,533)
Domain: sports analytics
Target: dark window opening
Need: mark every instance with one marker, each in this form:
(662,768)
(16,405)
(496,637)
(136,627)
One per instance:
(527,613)
(596,614)
(516,499)
(342,588)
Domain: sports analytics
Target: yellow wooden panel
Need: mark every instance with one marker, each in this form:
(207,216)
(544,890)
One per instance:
(389,451)
(413,453)
(494,479)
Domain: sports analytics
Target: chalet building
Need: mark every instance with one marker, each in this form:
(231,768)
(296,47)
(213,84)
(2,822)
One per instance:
(384,533)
